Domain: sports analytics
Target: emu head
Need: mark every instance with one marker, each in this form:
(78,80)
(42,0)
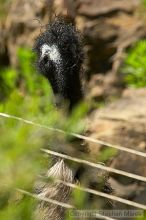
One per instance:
(59,59)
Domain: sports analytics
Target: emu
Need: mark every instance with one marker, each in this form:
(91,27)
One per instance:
(59,59)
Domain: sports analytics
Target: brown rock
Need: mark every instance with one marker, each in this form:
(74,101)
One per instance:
(123,122)
(103,34)
(21,25)
(96,8)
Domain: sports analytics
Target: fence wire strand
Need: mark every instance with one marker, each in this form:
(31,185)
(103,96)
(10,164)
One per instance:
(88,139)
(112,197)
(55,202)
(99,166)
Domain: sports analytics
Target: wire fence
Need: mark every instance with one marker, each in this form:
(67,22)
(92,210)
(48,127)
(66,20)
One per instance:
(88,139)
(88,163)
(96,165)
(55,202)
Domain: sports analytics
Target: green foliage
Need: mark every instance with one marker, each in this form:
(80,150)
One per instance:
(144,3)
(106,154)
(26,94)
(143,217)
(79,198)
(134,67)
(3,8)
(8,81)
(18,210)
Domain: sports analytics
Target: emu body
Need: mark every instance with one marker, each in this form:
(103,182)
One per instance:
(59,59)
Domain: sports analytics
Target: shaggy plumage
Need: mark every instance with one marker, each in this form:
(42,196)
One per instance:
(56,191)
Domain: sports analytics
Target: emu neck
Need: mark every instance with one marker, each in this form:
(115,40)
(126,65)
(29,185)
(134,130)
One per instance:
(67,87)
(74,90)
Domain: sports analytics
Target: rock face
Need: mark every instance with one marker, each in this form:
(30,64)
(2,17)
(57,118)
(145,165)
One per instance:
(108,28)
(123,123)
(93,9)
(124,116)
(21,25)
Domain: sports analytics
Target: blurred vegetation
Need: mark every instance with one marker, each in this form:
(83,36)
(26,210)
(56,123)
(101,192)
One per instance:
(4,4)
(134,67)
(144,3)
(106,154)
(26,94)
